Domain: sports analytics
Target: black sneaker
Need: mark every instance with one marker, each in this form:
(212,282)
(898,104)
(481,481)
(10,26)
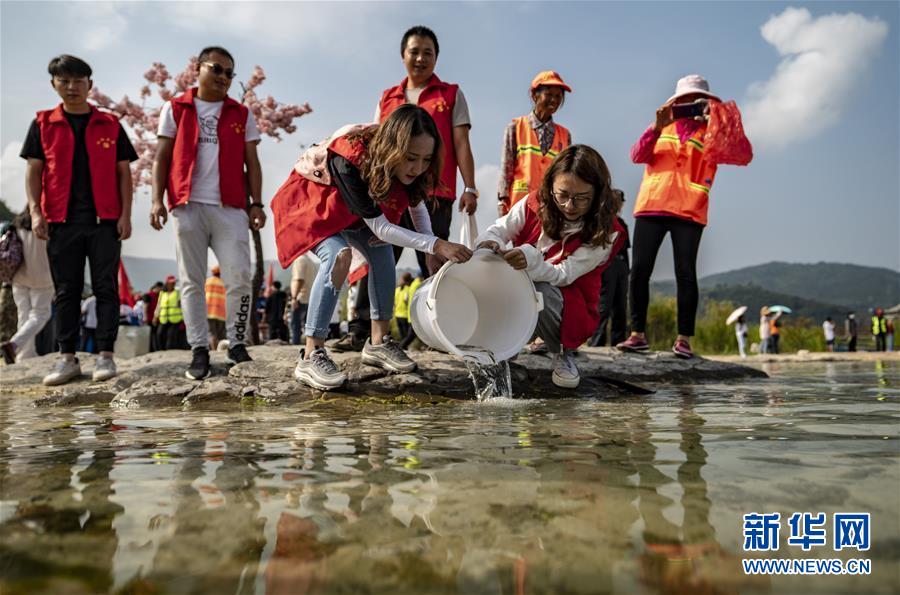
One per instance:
(199,368)
(238,354)
(349,342)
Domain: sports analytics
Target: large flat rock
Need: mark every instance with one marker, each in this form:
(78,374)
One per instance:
(157,379)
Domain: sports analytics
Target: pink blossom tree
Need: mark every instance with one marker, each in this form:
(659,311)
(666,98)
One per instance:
(272,118)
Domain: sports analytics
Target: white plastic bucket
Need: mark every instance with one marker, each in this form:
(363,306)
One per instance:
(132,341)
(482,303)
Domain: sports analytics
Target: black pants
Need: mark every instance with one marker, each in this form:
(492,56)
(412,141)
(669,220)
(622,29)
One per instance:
(880,342)
(403,326)
(613,304)
(649,233)
(171,335)
(441,211)
(69,246)
(851,344)
(278,329)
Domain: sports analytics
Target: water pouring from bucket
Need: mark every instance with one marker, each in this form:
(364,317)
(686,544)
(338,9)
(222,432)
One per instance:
(483,311)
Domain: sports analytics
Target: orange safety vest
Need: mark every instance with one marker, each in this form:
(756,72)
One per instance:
(530,162)
(677,179)
(215,298)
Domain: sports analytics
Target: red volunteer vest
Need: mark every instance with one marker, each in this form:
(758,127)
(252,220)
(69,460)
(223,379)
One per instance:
(438,99)
(58,142)
(580,314)
(231,134)
(678,178)
(307,212)
(531,164)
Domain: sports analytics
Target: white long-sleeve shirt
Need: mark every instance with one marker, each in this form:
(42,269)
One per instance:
(559,273)
(422,239)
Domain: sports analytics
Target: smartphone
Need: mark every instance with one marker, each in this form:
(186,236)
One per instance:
(682,111)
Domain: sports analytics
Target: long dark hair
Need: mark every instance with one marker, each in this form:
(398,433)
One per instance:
(587,164)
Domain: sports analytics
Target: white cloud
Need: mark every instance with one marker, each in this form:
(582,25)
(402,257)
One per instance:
(101,26)
(824,62)
(12,177)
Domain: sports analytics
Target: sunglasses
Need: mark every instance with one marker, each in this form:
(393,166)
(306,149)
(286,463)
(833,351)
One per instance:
(219,70)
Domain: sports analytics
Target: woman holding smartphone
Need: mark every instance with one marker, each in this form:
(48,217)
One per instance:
(673,199)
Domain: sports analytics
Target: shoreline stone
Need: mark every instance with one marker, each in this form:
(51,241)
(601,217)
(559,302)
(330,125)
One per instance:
(157,379)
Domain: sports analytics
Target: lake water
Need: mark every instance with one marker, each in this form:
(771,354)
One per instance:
(611,495)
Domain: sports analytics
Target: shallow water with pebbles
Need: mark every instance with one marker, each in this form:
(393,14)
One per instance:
(609,495)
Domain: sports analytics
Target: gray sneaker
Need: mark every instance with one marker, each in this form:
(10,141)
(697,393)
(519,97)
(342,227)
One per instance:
(319,371)
(389,356)
(104,369)
(565,372)
(63,372)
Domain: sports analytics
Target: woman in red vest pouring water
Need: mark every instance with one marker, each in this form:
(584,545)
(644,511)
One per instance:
(564,235)
(673,199)
(531,142)
(351,192)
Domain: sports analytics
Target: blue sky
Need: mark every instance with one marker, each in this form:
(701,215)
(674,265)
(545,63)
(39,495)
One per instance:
(818,83)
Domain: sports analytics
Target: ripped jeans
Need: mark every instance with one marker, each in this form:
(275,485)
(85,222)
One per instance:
(323,296)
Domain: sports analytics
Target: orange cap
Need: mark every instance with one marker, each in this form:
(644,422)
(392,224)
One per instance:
(549,78)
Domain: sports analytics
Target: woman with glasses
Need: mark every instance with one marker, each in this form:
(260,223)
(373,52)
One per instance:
(531,142)
(564,235)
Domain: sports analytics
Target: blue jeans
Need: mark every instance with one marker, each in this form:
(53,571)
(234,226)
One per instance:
(382,278)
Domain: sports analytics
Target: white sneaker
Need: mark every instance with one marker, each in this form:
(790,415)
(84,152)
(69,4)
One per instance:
(104,369)
(565,372)
(319,370)
(64,371)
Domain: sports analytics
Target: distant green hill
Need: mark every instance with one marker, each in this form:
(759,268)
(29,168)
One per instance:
(818,287)
(845,284)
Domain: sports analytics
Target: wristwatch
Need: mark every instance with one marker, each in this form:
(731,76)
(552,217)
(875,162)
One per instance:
(257,204)
(471,190)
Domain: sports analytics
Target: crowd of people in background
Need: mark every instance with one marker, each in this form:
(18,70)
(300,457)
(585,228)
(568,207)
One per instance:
(374,189)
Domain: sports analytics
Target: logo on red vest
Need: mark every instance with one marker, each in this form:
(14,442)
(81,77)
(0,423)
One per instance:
(238,128)
(440,105)
(106,142)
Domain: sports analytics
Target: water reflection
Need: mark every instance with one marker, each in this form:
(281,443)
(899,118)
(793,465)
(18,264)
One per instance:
(627,495)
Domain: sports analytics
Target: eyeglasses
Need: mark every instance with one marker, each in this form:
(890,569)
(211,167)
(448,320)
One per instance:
(563,199)
(219,70)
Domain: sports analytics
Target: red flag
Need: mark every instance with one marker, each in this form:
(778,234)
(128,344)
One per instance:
(270,282)
(125,296)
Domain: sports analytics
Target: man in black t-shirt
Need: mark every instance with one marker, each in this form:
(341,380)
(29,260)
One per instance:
(79,188)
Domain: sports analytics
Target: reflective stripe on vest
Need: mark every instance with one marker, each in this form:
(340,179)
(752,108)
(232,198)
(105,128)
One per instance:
(169,307)
(678,178)
(438,99)
(58,143)
(879,329)
(215,298)
(531,163)
(231,132)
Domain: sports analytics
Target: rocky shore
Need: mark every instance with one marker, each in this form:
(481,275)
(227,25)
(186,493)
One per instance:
(157,379)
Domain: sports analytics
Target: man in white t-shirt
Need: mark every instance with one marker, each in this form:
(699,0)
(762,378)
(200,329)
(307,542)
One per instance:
(206,164)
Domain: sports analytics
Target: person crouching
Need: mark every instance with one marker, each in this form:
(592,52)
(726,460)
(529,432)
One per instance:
(564,236)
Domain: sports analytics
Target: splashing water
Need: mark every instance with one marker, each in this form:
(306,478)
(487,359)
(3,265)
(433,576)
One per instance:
(491,378)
